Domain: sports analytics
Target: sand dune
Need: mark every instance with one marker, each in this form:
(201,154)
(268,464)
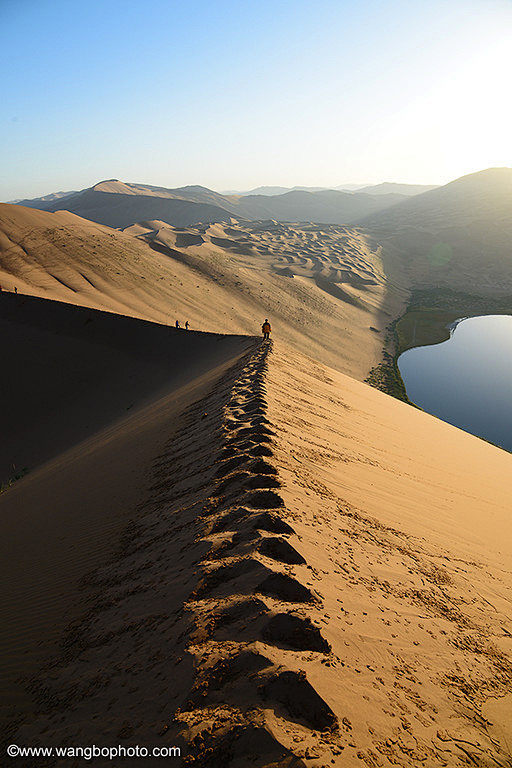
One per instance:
(223,544)
(318,285)
(317,575)
(70,371)
(92,399)
(323,287)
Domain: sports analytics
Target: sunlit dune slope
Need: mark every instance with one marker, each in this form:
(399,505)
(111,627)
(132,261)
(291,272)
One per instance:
(318,575)
(322,287)
(63,257)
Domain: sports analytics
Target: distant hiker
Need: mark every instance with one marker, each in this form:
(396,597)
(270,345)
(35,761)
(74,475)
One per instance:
(265,329)
(186,325)
(177,323)
(15,289)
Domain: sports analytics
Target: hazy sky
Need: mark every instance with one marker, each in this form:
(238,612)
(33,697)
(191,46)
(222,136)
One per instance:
(233,94)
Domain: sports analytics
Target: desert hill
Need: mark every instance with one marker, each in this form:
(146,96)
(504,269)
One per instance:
(309,280)
(269,190)
(458,235)
(63,257)
(227,545)
(89,399)
(92,367)
(290,569)
(41,201)
(118,204)
(455,236)
(120,209)
(325,206)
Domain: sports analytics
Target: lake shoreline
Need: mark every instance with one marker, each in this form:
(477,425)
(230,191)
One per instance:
(445,381)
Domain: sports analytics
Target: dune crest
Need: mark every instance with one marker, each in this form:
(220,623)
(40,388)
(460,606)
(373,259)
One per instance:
(278,603)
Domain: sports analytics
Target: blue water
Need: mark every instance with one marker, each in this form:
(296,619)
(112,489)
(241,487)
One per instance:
(466,381)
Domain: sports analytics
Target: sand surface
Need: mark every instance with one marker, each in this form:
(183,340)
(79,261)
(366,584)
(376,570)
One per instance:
(69,370)
(322,287)
(317,574)
(228,545)
(87,411)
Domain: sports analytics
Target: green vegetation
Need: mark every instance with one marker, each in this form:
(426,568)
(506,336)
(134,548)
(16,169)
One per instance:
(426,321)
(430,311)
(16,476)
(386,376)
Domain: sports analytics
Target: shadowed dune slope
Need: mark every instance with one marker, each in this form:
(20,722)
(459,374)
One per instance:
(120,210)
(88,402)
(69,371)
(318,575)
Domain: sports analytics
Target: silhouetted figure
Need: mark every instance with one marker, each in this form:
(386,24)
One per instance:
(186,325)
(177,323)
(265,328)
(15,289)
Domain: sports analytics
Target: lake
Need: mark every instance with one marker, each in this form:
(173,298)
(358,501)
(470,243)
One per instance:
(466,381)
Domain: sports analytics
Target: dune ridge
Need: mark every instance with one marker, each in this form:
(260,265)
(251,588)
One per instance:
(317,284)
(278,603)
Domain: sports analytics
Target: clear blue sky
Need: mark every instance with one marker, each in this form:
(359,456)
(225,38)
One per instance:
(233,94)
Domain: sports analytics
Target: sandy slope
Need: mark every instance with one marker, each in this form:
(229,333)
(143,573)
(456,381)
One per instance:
(322,287)
(88,410)
(69,371)
(229,546)
(60,256)
(318,575)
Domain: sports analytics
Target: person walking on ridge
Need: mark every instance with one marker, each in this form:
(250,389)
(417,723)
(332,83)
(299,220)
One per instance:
(265,329)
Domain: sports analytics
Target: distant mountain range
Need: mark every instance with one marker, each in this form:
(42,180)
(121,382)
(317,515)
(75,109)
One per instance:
(377,189)
(119,204)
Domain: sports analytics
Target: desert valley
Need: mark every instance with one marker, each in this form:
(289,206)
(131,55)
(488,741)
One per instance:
(256,552)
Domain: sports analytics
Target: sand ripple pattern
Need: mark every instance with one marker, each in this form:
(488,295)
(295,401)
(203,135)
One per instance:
(250,604)
(200,625)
